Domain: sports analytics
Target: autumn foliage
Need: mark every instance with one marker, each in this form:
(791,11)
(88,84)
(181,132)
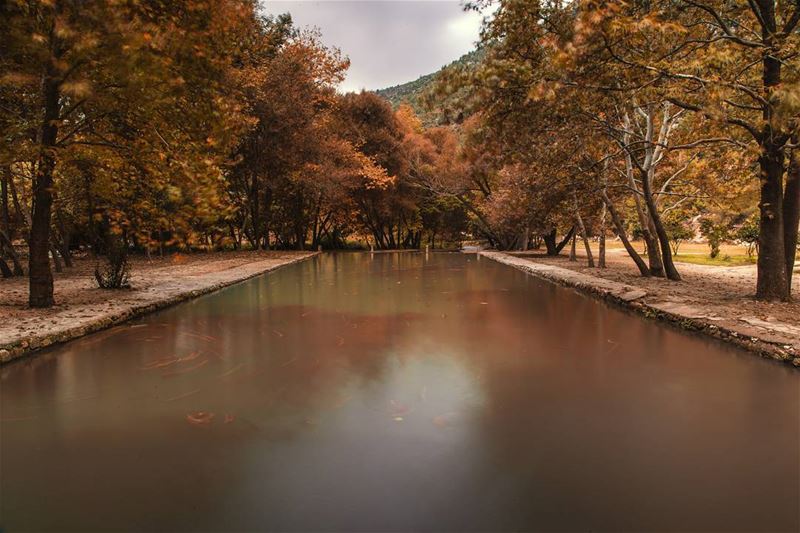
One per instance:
(147,125)
(157,125)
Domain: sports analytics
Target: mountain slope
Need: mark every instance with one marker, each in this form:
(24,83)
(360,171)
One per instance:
(412,92)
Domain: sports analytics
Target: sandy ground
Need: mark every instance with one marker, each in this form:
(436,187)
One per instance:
(81,307)
(723,295)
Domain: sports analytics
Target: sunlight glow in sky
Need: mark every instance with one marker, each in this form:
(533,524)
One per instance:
(388,42)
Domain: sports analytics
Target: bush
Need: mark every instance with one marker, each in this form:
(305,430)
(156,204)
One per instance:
(116,271)
(748,234)
(678,232)
(715,233)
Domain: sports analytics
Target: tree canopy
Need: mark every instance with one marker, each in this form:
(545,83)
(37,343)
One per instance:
(145,125)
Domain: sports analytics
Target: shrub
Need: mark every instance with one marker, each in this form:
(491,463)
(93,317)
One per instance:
(678,232)
(715,233)
(748,234)
(116,271)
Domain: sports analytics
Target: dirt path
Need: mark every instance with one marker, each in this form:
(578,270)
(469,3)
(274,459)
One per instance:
(718,300)
(82,308)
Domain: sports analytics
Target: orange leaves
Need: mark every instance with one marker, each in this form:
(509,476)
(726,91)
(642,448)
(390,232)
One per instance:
(76,88)
(375,176)
(200,418)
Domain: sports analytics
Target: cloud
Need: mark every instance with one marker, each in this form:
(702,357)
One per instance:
(388,42)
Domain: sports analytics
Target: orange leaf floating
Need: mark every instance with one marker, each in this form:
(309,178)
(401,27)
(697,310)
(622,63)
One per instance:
(229,418)
(200,418)
(191,357)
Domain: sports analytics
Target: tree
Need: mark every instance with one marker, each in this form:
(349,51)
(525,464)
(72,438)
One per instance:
(129,88)
(723,61)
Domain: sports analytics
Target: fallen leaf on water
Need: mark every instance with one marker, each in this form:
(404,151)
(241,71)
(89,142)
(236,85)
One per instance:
(191,357)
(278,333)
(229,418)
(200,418)
(398,419)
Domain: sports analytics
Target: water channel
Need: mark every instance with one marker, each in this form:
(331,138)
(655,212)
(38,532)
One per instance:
(388,392)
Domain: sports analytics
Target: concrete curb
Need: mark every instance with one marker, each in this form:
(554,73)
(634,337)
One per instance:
(29,345)
(633,298)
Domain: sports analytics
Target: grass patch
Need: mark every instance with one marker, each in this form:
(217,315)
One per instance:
(720,260)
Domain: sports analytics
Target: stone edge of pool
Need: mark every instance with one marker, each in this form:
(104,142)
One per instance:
(630,297)
(29,345)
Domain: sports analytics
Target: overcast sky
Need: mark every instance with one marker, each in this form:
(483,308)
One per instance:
(388,42)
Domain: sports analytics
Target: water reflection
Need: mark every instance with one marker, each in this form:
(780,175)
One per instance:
(396,392)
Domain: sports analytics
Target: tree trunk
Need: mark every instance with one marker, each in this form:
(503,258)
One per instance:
(5,244)
(4,270)
(644,270)
(255,215)
(653,257)
(573,256)
(772,283)
(772,280)
(6,215)
(550,241)
(601,253)
(41,277)
(661,232)
(791,216)
(582,229)
(526,237)
(56,258)
(63,240)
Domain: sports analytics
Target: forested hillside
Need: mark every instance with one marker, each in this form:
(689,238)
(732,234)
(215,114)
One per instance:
(431,109)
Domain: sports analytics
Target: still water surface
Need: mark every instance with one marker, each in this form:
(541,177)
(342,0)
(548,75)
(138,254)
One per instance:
(398,392)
